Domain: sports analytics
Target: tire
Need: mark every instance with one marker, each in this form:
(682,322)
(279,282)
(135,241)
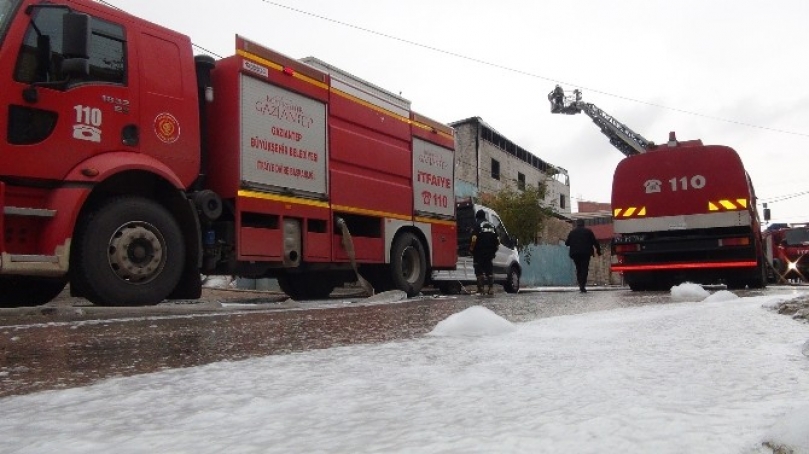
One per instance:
(735,284)
(450,287)
(512,283)
(130,252)
(759,280)
(19,291)
(306,286)
(637,284)
(756,279)
(655,283)
(378,276)
(408,264)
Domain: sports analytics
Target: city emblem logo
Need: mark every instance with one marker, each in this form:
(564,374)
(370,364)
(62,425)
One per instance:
(166,127)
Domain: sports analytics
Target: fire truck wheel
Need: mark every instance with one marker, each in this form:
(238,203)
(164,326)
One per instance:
(408,264)
(450,287)
(19,291)
(637,284)
(512,283)
(129,252)
(759,279)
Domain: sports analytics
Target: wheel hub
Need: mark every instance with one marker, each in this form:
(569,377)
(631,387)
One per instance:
(410,263)
(136,252)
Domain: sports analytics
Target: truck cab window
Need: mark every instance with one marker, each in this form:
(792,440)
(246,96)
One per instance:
(41,55)
(797,237)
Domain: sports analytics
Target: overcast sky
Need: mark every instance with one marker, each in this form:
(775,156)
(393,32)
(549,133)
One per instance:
(655,65)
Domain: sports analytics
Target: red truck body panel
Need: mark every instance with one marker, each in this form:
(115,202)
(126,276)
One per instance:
(364,168)
(685,212)
(680,182)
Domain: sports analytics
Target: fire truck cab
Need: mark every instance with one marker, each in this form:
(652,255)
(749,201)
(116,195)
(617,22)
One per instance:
(787,250)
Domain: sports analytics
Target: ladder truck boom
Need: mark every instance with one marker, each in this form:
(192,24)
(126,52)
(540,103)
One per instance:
(621,136)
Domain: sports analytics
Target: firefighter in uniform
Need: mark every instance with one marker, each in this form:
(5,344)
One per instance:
(483,247)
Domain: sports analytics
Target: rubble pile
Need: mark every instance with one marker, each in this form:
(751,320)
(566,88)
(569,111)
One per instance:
(797,308)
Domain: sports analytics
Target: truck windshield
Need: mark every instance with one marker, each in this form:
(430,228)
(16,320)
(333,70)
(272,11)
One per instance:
(7,8)
(797,237)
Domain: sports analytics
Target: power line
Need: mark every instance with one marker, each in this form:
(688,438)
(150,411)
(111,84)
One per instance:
(521,72)
(505,68)
(785,197)
(526,73)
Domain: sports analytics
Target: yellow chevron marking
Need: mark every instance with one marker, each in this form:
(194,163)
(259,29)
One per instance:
(712,207)
(617,212)
(642,212)
(629,212)
(742,202)
(727,204)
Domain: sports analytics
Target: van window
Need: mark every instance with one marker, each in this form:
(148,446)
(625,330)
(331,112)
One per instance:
(501,229)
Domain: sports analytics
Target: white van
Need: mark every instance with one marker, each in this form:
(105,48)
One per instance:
(507,268)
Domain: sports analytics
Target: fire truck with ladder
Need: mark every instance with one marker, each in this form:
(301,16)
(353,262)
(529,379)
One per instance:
(128,166)
(682,211)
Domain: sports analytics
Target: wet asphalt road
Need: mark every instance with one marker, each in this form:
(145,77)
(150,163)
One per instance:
(69,343)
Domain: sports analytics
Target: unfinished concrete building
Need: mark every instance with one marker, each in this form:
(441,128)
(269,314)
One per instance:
(486,162)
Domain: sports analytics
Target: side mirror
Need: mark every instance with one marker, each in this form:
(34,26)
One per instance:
(76,44)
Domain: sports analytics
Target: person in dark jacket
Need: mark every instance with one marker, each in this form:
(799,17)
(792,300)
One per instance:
(583,245)
(483,247)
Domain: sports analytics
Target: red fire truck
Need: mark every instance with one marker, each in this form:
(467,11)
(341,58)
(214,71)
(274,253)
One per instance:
(682,211)
(787,248)
(128,166)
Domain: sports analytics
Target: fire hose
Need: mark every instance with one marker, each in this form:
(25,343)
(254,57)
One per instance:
(348,245)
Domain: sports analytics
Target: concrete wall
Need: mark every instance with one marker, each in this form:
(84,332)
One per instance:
(550,264)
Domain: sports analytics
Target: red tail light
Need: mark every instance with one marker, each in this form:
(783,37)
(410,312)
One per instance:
(734,242)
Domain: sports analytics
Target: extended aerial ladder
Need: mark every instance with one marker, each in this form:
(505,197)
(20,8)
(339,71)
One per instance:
(621,137)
